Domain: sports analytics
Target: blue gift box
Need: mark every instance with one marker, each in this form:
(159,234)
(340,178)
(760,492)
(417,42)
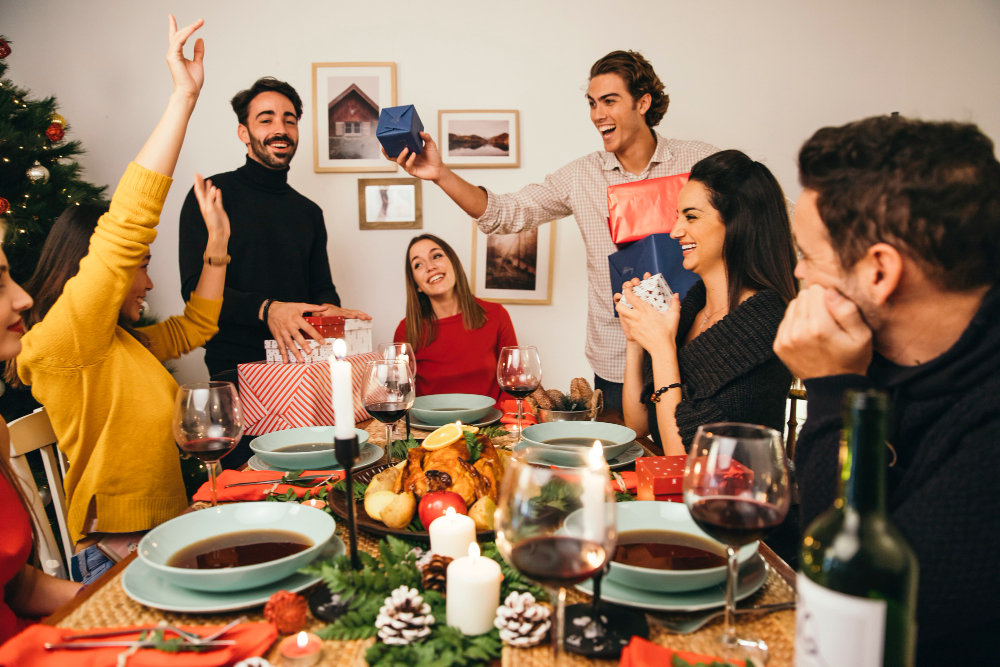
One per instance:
(656,253)
(399,128)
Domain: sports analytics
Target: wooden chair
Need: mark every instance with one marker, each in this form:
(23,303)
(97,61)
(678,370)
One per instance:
(795,394)
(34,433)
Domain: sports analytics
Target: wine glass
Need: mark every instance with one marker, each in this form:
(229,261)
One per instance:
(519,372)
(402,352)
(557,525)
(388,394)
(208,422)
(736,487)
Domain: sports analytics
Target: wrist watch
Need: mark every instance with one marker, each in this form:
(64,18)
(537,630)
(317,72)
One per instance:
(216,261)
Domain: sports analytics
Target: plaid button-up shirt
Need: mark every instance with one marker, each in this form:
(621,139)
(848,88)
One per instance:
(580,189)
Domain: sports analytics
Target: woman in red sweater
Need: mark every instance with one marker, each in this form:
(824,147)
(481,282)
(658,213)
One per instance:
(457,337)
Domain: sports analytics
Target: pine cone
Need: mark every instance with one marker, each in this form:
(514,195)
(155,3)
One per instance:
(542,399)
(404,617)
(287,611)
(596,403)
(557,398)
(580,389)
(435,574)
(532,405)
(522,621)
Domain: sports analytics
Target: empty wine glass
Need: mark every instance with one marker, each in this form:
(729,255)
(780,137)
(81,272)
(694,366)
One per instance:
(388,394)
(400,352)
(519,372)
(736,487)
(557,525)
(208,422)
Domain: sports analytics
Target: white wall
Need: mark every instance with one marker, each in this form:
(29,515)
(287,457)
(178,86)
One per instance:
(760,76)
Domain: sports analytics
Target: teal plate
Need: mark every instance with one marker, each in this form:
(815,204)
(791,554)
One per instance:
(627,457)
(141,583)
(368,454)
(752,577)
(491,417)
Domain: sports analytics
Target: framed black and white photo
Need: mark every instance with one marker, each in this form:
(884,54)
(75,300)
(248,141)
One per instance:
(514,268)
(472,139)
(347,100)
(390,203)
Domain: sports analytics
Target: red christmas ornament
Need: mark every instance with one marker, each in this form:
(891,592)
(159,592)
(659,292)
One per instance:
(4,205)
(55,132)
(287,611)
(4,49)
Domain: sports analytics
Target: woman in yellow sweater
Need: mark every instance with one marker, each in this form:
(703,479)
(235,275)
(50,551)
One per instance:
(102,382)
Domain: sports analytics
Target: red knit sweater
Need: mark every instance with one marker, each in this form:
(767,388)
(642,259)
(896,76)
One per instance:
(460,361)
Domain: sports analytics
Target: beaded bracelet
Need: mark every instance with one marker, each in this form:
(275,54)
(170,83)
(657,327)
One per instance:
(655,398)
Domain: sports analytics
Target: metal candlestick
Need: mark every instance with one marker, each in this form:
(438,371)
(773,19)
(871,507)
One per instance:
(347,451)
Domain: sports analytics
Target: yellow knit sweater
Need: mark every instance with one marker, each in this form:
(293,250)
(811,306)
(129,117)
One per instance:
(109,398)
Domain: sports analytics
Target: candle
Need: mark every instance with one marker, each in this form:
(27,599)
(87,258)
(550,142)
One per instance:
(315,502)
(473,592)
(343,391)
(452,534)
(302,650)
(594,487)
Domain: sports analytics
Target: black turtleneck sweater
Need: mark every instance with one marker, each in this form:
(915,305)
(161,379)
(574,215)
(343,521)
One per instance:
(944,425)
(278,249)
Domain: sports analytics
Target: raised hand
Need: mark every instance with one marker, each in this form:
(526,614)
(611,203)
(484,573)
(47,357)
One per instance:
(210,202)
(425,165)
(188,75)
(286,323)
(654,331)
(823,334)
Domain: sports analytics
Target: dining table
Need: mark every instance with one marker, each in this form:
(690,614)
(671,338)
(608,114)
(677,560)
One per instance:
(104,603)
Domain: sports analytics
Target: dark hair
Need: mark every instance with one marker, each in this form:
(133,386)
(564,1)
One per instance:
(757,251)
(931,190)
(421,322)
(639,78)
(67,243)
(241,100)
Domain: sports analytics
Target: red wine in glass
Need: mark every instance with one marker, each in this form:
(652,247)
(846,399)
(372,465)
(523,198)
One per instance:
(554,560)
(209,449)
(387,413)
(519,391)
(735,521)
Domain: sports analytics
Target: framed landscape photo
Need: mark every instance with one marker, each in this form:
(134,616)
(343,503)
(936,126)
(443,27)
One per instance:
(347,100)
(390,203)
(471,139)
(514,268)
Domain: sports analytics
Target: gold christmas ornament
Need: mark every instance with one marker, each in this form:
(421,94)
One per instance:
(59,120)
(37,173)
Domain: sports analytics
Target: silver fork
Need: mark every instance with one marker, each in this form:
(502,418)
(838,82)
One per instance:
(162,625)
(689,625)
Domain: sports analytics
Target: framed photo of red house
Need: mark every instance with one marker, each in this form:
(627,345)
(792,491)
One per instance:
(347,99)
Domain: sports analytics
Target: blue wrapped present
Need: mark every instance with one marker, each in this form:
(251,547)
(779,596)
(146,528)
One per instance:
(399,128)
(657,253)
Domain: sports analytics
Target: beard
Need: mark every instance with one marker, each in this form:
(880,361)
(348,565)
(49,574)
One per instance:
(260,150)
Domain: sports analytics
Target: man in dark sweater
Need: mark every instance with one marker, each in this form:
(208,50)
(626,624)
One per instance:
(899,231)
(279,268)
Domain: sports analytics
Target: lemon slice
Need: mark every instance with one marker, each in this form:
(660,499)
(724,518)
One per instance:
(470,429)
(442,437)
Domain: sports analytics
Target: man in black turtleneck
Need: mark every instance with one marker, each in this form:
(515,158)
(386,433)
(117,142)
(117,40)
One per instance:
(278,268)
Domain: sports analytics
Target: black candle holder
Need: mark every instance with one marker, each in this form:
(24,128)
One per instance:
(347,451)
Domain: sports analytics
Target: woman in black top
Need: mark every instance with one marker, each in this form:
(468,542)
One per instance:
(711,359)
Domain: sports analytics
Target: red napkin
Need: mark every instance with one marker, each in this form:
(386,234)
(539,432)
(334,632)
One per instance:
(255,491)
(509,408)
(629,478)
(28,648)
(644,653)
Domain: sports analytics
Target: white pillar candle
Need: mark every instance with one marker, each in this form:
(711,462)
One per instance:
(343,390)
(452,534)
(473,592)
(594,487)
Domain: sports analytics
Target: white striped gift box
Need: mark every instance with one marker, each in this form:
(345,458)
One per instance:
(280,396)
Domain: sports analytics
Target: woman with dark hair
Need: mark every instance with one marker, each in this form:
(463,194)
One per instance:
(711,359)
(108,395)
(457,337)
(27,592)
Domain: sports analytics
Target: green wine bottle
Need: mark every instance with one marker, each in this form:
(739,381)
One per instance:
(857,586)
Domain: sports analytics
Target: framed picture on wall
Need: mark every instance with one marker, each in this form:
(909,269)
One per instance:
(514,268)
(390,203)
(486,139)
(347,99)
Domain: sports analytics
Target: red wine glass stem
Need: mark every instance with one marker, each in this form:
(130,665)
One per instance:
(732,581)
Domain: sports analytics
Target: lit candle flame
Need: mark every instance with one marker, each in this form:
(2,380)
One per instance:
(339,348)
(450,513)
(596,456)
(302,639)
(473,552)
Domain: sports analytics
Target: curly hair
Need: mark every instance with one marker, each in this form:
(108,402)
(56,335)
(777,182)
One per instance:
(929,189)
(639,78)
(241,100)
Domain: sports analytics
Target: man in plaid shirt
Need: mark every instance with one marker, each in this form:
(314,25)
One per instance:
(627,101)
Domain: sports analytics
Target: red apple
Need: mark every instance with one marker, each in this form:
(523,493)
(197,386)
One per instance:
(436,503)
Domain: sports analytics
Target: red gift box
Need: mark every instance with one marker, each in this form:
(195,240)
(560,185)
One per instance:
(661,476)
(641,208)
(327,327)
(280,396)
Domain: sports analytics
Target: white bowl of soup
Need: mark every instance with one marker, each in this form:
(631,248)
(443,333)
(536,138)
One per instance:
(236,547)
(306,448)
(660,548)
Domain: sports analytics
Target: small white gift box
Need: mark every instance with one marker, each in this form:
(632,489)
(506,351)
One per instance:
(654,291)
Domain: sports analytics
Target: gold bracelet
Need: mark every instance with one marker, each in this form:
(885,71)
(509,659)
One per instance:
(216,261)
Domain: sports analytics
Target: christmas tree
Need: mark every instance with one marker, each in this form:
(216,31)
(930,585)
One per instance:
(38,177)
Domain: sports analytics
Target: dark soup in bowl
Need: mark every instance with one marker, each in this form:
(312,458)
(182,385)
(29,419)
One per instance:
(248,547)
(307,447)
(578,442)
(667,550)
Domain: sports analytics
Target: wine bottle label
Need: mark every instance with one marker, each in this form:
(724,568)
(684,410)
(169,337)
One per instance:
(834,629)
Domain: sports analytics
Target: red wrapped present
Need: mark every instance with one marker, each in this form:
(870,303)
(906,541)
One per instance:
(641,208)
(280,396)
(664,476)
(327,327)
